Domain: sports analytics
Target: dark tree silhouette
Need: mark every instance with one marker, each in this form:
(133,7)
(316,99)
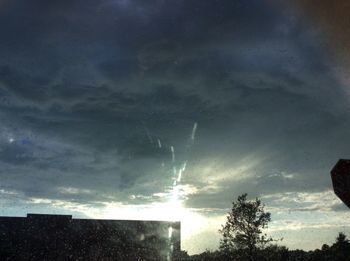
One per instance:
(341,239)
(341,248)
(242,232)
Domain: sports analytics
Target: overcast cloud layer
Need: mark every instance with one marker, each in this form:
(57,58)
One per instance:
(101,101)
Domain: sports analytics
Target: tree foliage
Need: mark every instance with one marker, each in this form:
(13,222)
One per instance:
(243,228)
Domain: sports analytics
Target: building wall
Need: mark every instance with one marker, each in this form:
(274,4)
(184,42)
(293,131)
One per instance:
(59,237)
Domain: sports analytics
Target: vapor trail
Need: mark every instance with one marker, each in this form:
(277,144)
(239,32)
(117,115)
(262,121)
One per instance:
(194,130)
(148,133)
(181,171)
(172,153)
(177,176)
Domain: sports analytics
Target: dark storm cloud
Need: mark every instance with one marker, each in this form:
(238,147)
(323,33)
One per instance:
(24,85)
(332,18)
(98,84)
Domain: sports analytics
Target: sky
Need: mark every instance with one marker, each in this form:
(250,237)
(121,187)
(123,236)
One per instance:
(169,110)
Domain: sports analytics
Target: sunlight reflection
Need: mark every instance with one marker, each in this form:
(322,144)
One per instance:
(191,222)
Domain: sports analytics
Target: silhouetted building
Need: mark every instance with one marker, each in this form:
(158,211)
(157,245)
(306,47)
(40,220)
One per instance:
(59,237)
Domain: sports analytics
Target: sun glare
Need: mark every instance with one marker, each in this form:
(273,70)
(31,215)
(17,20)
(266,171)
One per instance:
(191,221)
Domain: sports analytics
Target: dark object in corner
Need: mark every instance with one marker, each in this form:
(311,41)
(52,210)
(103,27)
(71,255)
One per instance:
(341,180)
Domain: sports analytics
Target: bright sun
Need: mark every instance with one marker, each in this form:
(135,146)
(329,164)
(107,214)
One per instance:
(191,222)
